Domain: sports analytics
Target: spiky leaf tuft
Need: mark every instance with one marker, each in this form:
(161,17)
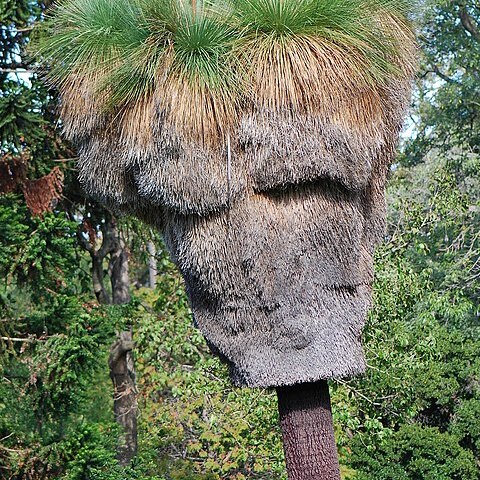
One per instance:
(195,65)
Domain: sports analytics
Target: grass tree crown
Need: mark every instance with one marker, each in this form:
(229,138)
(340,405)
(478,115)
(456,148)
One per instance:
(256,135)
(200,64)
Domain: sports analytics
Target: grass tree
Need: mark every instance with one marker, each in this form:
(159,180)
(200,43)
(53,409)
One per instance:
(257,135)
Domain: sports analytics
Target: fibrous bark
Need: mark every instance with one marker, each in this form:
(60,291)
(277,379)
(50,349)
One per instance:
(307,431)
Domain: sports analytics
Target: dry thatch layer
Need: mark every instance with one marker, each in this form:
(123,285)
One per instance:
(280,284)
(271,207)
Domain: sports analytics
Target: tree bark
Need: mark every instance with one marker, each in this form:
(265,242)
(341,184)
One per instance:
(121,361)
(118,270)
(307,431)
(98,280)
(152,265)
(122,373)
(468,22)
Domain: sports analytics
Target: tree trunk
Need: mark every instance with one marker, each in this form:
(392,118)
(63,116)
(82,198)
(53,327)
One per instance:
(118,269)
(152,264)
(97,279)
(122,373)
(307,431)
(121,362)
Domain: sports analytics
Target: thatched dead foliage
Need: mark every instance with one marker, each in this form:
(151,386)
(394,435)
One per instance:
(41,194)
(256,135)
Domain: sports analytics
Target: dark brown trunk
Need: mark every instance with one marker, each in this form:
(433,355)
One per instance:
(122,373)
(307,431)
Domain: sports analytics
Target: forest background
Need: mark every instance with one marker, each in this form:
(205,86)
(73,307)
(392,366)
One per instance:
(65,260)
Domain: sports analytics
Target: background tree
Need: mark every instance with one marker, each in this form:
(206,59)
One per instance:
(446,114)
(427,291)
(44,270)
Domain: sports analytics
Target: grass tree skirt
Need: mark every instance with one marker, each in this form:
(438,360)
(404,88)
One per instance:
(257,136)
(279,283)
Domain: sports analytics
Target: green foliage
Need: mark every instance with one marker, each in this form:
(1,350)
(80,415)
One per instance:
(353,25)
(421,392)
(416,452)
(413,416)
(13,231)
(60,366)
(448,88)
(36,250)
(55,393)
(20,123)
(45,381)
(128,46)
(56,397)
(14,14)
(90,454)
(201,46)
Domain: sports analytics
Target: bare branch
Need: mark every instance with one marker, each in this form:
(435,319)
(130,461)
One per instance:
(25,29)
(109,233)
(16,70)
(444,77)
(22,340)
(469,23)
(83,242)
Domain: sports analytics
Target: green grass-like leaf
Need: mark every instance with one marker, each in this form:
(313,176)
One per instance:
(351,24)
(125,50)
(203,48)
(86,36)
